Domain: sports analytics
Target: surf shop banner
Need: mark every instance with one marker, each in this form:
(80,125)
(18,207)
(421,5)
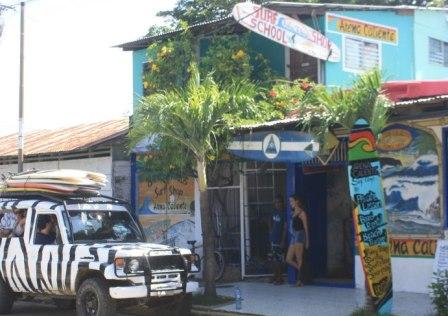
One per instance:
(369,215)
(285,30)
(410,170)
(166,211)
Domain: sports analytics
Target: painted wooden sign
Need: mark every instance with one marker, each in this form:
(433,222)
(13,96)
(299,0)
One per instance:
(419,247)
(284,146)
(347,25)
(369,215)
(285,31)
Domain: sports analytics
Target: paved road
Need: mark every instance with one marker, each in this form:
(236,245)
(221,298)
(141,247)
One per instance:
(34,309)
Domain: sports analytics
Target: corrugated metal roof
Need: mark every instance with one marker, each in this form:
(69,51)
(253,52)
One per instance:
(199,28)
(422,100)
(300,8)
(79,137)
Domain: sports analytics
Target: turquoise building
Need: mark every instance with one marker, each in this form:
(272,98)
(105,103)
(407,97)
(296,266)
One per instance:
(408,44)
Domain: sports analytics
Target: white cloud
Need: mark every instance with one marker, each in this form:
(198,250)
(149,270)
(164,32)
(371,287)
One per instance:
(72,73)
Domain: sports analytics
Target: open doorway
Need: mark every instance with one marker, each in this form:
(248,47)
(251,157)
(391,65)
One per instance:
(263,181)
(330,259)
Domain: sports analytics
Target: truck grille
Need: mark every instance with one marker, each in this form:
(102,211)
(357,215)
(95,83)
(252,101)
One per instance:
(163,263)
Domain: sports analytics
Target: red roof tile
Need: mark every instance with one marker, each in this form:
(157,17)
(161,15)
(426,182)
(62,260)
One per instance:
(67,139)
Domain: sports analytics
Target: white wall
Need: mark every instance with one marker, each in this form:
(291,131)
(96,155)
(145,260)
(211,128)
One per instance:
(408,274)
(101,164)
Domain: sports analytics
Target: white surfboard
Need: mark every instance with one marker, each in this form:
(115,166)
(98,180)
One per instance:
(286,31)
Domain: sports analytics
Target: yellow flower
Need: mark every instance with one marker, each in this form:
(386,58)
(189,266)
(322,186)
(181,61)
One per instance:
(155,68)
(145,84)
(164,51)
(239,55)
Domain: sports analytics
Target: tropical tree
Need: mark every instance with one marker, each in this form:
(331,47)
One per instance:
(198,120)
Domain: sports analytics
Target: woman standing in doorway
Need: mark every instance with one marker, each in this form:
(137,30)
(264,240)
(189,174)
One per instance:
(298,229)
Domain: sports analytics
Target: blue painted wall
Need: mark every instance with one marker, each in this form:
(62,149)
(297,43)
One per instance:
(138,59)
(397,61)
(429,24)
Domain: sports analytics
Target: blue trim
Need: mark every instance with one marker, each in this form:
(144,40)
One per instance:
(445,174)
(134,182)
(290,189)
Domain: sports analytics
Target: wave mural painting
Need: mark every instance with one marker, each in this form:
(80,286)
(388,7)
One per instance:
(166,211)
(410,170)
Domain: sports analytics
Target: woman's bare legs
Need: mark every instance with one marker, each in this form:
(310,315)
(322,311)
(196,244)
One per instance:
(299,260)
(290,256)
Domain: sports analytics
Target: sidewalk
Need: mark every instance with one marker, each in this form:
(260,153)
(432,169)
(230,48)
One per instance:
(267,299)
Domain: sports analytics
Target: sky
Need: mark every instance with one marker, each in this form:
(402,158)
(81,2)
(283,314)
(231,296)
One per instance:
(73,75)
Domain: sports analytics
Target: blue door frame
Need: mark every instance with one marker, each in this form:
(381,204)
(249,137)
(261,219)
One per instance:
(445,174)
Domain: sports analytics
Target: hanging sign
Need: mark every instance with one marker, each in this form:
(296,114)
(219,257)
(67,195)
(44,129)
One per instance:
(284,146)
(369,215)
(285,30)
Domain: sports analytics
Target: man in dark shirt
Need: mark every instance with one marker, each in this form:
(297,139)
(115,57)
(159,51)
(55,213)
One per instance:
(277,237)
(44,235)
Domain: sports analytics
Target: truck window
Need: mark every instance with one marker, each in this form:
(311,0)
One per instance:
(12,224)
(104,226)
(47,230)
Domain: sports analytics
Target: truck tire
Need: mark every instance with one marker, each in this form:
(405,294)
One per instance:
(93,299)
(6,298)
(64,304)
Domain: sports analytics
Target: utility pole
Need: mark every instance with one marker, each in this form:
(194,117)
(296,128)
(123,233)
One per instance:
(21,85)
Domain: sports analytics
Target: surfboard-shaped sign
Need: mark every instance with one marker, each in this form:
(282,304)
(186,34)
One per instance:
(286,31)
(369,215)
(284,146)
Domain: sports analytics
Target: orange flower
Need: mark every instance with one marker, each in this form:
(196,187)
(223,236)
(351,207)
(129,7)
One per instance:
(272,94)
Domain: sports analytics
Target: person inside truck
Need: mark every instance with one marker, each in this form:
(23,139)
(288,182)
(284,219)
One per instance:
(45,234)
(12,224)
(19,227)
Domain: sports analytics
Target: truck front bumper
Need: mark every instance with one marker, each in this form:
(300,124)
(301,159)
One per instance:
(157,290)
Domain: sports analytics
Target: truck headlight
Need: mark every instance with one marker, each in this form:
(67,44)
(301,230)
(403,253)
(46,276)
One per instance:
(133,266)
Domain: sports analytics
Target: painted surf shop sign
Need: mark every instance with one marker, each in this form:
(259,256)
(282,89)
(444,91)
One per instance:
(286,146)
(369,215)
(286,31)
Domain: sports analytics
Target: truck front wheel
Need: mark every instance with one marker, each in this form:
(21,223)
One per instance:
(6,298)
(93,299)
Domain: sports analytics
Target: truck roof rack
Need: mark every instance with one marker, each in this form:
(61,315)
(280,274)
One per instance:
(58,198)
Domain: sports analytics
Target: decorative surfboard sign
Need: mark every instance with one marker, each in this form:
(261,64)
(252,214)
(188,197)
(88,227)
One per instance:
(286,31)
(282,146)
(369,215)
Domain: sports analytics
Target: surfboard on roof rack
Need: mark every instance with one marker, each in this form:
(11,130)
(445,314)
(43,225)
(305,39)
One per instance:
(64,181)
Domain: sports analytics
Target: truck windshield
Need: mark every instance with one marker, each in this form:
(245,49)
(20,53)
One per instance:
(104,226)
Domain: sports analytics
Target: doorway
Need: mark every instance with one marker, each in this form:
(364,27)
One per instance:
(263,181)
(330,259)
(303,66)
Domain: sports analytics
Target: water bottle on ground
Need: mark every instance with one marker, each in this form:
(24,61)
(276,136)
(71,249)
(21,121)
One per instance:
(238,298)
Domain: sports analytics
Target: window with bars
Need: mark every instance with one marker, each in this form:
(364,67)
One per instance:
(438,52)
(360,55)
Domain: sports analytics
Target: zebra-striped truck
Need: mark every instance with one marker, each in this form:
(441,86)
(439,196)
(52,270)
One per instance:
(89,253)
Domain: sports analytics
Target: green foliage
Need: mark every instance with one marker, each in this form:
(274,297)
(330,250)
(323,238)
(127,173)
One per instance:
(165,160)
(197,11)
(227,58)
(168,63)
(197,119)
(322,109)
(439,291)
